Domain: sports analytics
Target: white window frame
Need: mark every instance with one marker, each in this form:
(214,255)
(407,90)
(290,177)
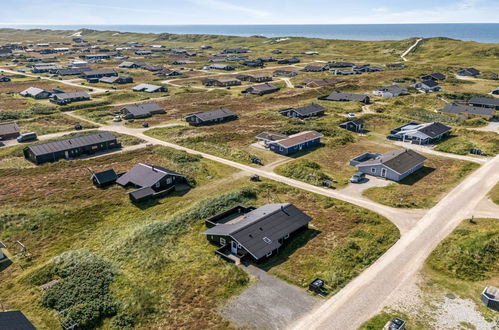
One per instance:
(286,236)
(223,241)
(373,170)
(268,254)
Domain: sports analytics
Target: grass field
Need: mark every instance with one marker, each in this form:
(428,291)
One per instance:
(424,188)
(494,194)
(461,265)
(158,249)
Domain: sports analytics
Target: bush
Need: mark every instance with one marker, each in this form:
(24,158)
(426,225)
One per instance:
(306,171)
(84,292)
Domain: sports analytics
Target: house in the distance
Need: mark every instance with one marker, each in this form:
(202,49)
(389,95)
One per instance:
(66,98)
(312,110)
(143,110)
(151,181)
(149,88)
(427,86)
(36,93)
(262,89)
(346,97)
(4,78)
(284,73)
(466,111)
(433,76)
(254,233)
(210,117)
(254,78)
(296,142)
(391,91)
(393,165)
(420,133)
(9,131)
(315,83)
(221,82)
(468,72)
(484,102)
(356,125)
(116,80)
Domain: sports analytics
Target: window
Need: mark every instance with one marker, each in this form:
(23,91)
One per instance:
(168,180)
(269,254)
(373,170)
(286,236)
(222,241)
(157,185)
(267,240)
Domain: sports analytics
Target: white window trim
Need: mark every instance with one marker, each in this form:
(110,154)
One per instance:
(373,170)
(268,254)
(223,241)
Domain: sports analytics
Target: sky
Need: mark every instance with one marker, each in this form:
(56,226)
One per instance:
(216,12)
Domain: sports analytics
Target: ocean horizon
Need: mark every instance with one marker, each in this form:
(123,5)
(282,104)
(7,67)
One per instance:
(480,32)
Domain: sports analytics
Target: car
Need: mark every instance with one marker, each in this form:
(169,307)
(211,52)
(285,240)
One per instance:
(78,127)
(145,124)
(21,71)
(358,177)
(394,137)
(31,136)
(350,114)
(298,86)
(396,324)
(117,118)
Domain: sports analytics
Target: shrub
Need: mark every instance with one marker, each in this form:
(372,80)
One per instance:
(84,292)
(306,171)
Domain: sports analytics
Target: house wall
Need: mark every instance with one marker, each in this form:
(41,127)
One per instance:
(390,174)
(287,151)
(72,153)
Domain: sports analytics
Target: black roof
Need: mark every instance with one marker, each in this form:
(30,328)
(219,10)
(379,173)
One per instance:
(15,320)
(142,193)
(260,230)
(142,109)
(400,161)
(213,114)
(341,96)
(435,129)
(308,109)
(8,128)
(356,122)
(144,175)
(430,83)
(71,96)
(106,176)
(434,76)
(71,143)
(457,109)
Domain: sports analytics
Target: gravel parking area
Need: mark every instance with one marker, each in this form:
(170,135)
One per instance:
(269,304)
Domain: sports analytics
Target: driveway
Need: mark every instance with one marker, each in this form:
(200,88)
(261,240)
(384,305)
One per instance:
(268,304)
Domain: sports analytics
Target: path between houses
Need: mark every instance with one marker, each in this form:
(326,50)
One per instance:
(410,49)
(368,293)
(95,90)
(268,304)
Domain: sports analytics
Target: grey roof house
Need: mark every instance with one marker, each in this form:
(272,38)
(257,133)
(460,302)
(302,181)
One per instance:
(36,93)
(261,89)
(66,98)
(485,102)
(391,91)
(210,117)
(148,88)
(420,133)
(104,178)
(9,131)
(341,96)
(427,86)
(467,111)
(393,165)
(469,72)
(356,125)
(151,181)
(71,148)
(311,110)
(255,233)
(141,110)
(116,80)
(490,297)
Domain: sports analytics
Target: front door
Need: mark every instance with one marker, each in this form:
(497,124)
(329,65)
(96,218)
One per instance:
(233,247)
(383,172)
(66,154)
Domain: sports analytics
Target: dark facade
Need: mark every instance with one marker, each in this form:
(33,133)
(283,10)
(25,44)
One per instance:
(210,117)
(297,142)
(356,125)
(71,148)
(256,234)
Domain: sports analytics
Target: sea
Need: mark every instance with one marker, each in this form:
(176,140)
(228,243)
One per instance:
(480,32)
